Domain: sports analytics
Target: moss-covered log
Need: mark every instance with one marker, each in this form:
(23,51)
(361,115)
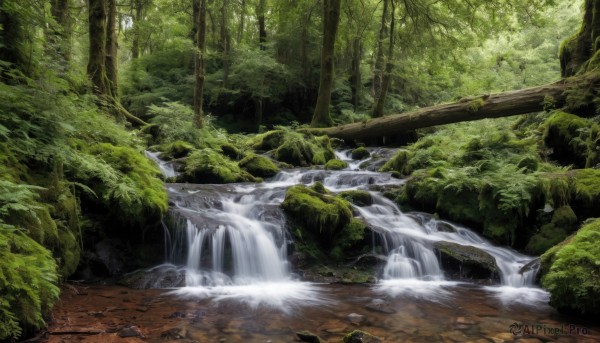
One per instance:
(474,108)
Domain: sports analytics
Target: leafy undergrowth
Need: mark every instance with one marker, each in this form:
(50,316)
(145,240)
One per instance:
(65,167)
(494,178)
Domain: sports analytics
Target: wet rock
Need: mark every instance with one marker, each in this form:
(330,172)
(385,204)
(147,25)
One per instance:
(360,153)
(467,262)
(164,276)
(358,336)
(307,336)
(174,333)
(532,265)
(356,318)
(132,331)
(380,305)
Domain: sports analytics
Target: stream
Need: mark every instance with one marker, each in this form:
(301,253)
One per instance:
(227,251)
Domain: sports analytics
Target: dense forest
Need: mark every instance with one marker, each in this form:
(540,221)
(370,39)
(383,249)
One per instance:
(234,91)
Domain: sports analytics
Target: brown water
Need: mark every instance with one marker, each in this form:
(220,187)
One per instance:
(463,313)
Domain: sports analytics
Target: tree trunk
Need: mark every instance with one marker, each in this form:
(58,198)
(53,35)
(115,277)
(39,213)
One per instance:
(356,78)
(378,67)
(225,43)
(111,59)
(199,63)
(61,36)
(97,54)
(487,106)
(331,16)
(137,18)
(262,31)
(240,35)
(386,78)
(578,49)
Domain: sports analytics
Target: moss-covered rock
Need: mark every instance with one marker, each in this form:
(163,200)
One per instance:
(267,141)
(360,153)
(304,150)
(322,215)
(208,166)
(563,222)
(309,337)
(259,166)
(586,202)
(347,242)
(358,336)
(467,262)
(357,197)
(336,165)
(136,195)
(398,163)
(231,151)
(572,272)
(573,140)
(174,150)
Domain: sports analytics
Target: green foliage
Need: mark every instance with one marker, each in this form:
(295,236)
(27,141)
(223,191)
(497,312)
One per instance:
(27,282)
(174,150)
(587,192)
(573,139)
(209,166)
(563,222)
(336,165)
(573,272)
(259,166)
(478,174)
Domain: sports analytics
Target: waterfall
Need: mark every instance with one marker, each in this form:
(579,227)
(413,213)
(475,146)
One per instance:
(232,238)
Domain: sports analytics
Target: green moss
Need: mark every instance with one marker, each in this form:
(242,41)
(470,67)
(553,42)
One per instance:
(587,192)
(319,188)
(27,282)
(358,336)
(573,140)
(267,141)
(175,150)
(347,242)
(573,276)
(475,105)
(231,151)
(360,153)
(528,163)
(357,197)
(336,165)
(137,196)
(259,166)
(208,166)
(304,150)
(321,214)
(398,163)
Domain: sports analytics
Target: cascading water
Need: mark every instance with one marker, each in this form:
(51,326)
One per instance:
(234,235)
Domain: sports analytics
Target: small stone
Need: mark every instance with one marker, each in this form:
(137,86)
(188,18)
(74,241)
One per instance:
(358,336)
(356,318)
(465,321)
(309,337)
(142,309)
(132,331)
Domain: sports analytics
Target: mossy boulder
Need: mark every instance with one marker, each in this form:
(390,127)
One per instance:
(336,165)
(309,337)
(467,262)
(357,197)
(399,163)
(208,166)
(586,202)
(231,151)
(573,140)
(564,221)
(322,215)
(571,272)
(347,243)
(174,150)
(304,150)
(259,166)
(360,153)
(267,141)
(358,336)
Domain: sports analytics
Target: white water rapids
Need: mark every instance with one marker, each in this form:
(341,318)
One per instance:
(233,241)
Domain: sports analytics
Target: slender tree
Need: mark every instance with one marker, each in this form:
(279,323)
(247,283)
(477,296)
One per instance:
(200,23)
(111,58)
(262,30)
(386,77)
(331,18)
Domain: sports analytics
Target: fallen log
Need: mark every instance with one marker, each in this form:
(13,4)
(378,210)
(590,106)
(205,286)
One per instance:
(474,108)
